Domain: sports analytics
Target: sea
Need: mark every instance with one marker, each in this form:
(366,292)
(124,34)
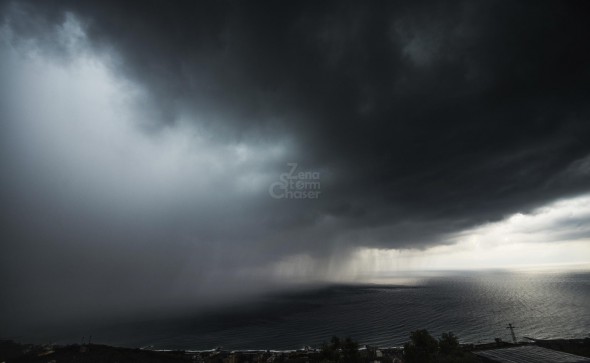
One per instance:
(475,306)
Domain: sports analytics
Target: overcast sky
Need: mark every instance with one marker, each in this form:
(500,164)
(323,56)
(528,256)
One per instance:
(147,147)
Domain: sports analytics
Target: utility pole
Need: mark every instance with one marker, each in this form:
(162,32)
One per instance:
(512,332)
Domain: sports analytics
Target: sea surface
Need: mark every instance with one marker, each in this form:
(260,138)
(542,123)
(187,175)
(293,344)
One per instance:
(476,306)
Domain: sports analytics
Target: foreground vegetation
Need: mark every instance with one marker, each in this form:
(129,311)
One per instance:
(422,348)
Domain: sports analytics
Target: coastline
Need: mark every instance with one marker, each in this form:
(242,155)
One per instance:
(11,351)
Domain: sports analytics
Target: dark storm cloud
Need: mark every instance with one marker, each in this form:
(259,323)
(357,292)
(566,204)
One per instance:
(451,114)
(423,119)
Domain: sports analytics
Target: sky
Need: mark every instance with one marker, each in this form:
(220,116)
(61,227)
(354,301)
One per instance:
(164,155)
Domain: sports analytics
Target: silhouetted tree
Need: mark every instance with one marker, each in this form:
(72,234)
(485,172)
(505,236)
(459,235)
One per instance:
(422,347)
(448,344)
(340,350)
(349,350)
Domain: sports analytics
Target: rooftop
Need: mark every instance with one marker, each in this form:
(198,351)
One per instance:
(530,354)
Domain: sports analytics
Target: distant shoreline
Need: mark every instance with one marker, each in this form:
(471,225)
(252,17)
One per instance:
(11,351)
